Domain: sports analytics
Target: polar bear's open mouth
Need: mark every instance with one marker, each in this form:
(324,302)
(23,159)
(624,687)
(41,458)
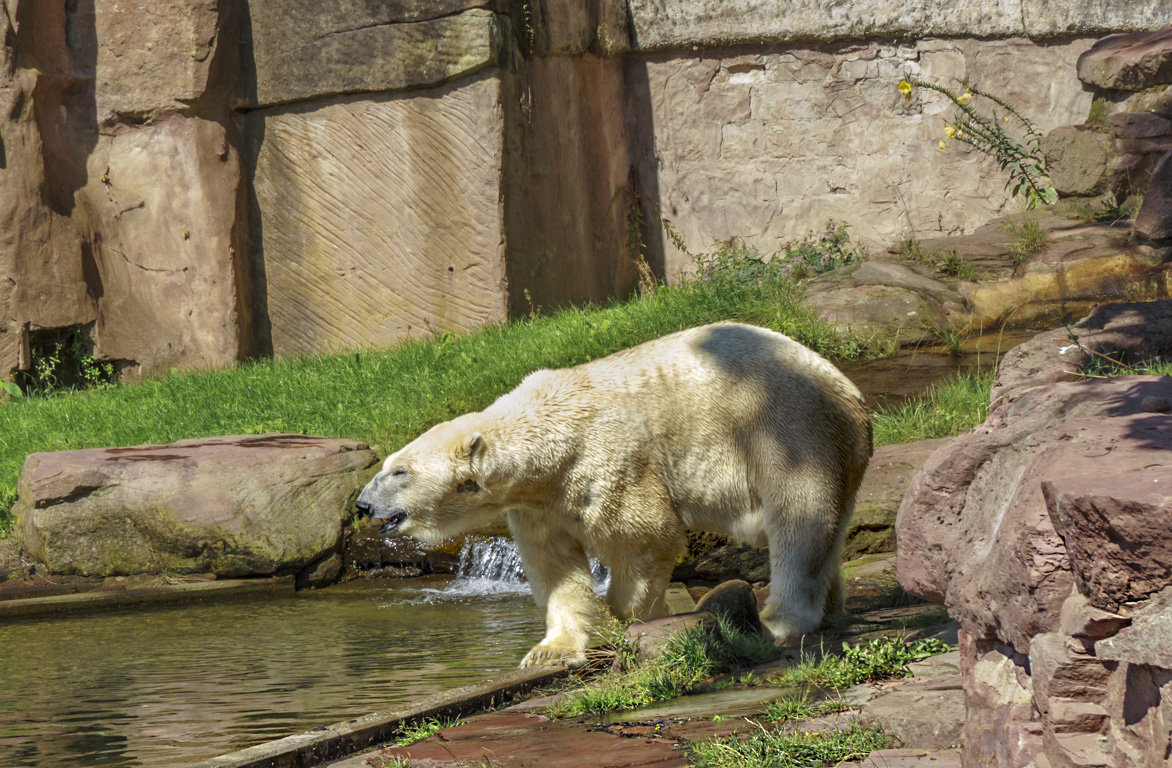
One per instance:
(394,520)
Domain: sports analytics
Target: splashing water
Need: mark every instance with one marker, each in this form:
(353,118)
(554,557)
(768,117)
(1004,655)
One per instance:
(493,567)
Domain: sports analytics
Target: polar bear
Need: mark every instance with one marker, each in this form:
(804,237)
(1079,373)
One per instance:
(726,428)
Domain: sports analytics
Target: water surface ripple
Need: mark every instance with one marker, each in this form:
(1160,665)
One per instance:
(165,687)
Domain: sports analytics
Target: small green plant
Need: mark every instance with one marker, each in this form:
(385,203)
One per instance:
(779,749)
(814,254)
(423,729)
(945,262)
(690,657)
(1110,209)
(985,130)
(1028,240)
(801,708)
(880,658)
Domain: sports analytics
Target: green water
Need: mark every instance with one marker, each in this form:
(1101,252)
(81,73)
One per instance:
(170,686)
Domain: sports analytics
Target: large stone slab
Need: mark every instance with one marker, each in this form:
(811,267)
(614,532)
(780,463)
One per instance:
(1129,62)
(660,24)
(305,49)
(232,506)
(160,61)
(165,260)
(380,218)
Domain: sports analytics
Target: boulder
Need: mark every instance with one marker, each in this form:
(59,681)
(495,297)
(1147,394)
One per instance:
(726,562)
(1132,61)
(235,506)
(1153,223)
(1043,531)
(1077,157)
(736,602)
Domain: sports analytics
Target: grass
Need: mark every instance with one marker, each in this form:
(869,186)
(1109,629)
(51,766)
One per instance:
(779,749)
(691,657)
(423,729)
(947,263)
(880,658)
(387,398)
(1028,240)
(949,407)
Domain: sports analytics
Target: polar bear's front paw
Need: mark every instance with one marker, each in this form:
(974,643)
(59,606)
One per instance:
(551,655)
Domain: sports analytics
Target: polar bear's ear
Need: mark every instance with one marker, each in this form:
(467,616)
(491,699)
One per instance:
(474,445)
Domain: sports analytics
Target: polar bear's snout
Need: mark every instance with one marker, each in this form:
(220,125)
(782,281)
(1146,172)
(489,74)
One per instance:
(368,505)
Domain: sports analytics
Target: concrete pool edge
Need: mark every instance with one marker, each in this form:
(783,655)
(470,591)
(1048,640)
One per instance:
(34,607)
(332,742)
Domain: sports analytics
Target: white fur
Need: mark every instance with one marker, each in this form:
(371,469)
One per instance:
(726,428)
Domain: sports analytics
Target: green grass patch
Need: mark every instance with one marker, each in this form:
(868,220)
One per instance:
(691,657)
(1028,239)
(1101,367)
(880,658)
(949,407)
(389,397)
(801,708)
(778,749)
(423,729)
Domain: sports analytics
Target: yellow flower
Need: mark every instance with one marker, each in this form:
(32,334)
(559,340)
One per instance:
(950,131)
(905,88)
(940,145)
(966,96)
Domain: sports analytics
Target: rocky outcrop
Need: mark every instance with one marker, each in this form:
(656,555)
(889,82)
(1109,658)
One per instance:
(230,506)
(1080,265)
(1153,223)
(1128,62)
(1041,531)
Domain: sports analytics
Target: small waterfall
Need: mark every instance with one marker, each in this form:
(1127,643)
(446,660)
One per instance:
(493,566)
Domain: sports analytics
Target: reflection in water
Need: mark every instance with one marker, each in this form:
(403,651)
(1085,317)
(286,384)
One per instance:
(170,686)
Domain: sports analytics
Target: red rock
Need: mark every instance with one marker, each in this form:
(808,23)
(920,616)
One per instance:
(1114,522)
(1133,61)
(1153,223)
(234,506)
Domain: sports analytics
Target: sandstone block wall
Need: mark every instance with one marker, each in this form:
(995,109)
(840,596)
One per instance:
(189,183)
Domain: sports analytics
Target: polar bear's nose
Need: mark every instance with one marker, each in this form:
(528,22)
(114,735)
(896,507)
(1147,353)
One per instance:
(364,508)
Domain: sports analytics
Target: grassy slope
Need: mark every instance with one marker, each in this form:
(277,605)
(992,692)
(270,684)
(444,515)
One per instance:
(385,398)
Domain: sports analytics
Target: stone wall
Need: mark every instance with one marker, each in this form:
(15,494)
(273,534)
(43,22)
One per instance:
(188,183)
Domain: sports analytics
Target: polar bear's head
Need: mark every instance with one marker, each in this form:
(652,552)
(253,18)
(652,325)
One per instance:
(432,488)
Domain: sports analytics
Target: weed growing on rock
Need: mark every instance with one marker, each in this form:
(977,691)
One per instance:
(778,749)
(1028,240)
(880,658)
(947,263)
(814,254)
(424,729)
(801,708)
(691,657)
(986,128)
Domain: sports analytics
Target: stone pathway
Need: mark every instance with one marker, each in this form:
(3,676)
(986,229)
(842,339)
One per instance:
(924,713)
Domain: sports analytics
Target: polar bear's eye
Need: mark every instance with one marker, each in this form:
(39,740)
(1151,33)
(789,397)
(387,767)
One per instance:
(399,472)
(468,486)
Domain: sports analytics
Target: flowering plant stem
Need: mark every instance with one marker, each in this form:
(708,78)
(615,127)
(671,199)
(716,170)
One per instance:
(1023,161)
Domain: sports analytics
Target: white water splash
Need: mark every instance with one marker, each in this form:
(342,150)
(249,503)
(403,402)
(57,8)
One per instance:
(493,567)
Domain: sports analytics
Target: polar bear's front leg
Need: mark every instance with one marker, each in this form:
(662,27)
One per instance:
(559,574)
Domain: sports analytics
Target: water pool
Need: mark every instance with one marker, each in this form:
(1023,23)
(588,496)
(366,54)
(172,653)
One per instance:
(165,687)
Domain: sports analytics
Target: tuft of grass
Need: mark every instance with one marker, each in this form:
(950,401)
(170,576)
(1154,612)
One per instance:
(778,749)
(691,657)
(879,658)
(947,263)
(949,407)
(423,729)
(801,708)
(1028,240)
